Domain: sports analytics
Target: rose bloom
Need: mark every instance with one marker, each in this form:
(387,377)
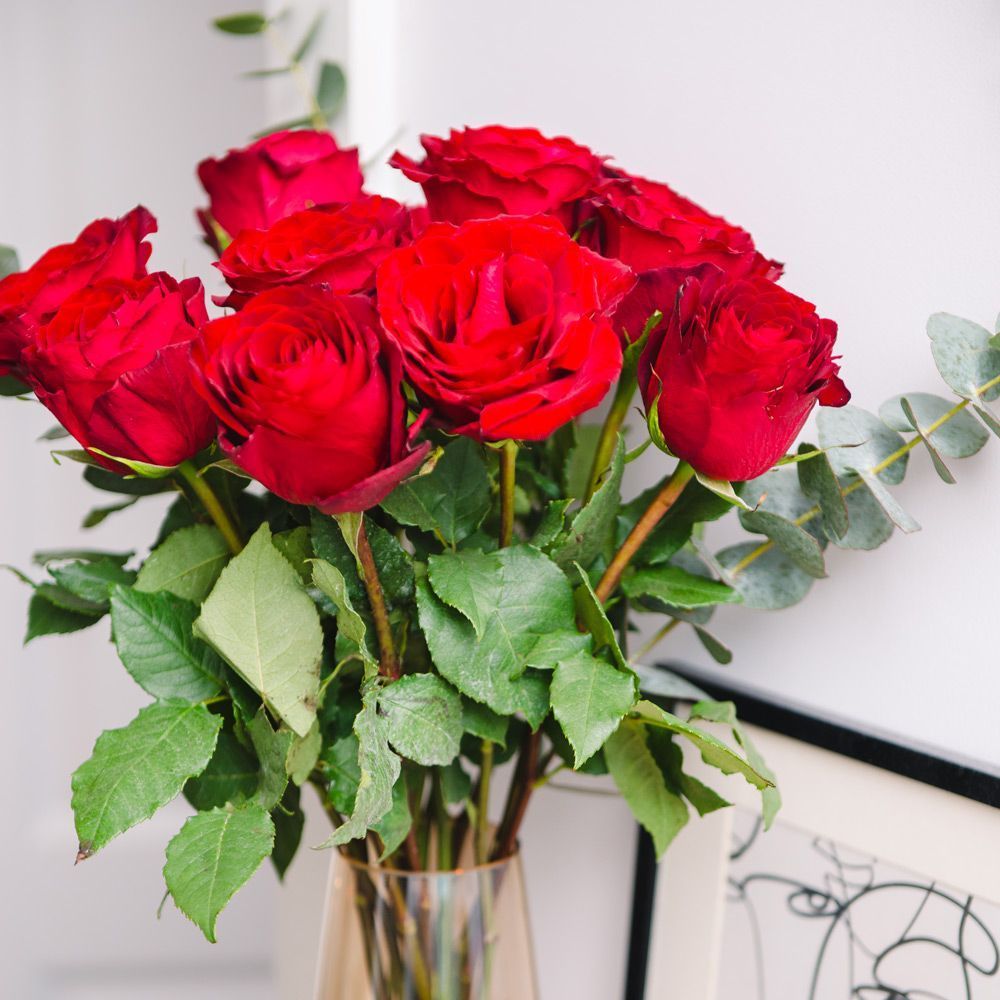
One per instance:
(478,173)
(338,246)
(282,173)
(114,366)
(502,324)
(646,225)
(107,248)
(309,398)
(734,370)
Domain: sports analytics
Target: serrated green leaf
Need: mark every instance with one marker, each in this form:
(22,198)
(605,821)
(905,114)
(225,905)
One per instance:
(589,699)
(154,638)
(424,716)
(770,581)
(592,529)
(250,23)
(289,821)
(670,758)
(46,618)
(261,621)
(484,723)
(135,770)
(231,776)
(593,616)
(451,500)
(92,580)
(66,599)
(331,581)
(272,747)
(47,556)
(675,585)
(111,482)
(724,712)
(557,646)
(98,515)
(456,785)
(551,525)
(187,563)
(343,773)
(722,489)
(303,754)
(296,546)
(212,857)
(639,779)
(579,459)
(394,826)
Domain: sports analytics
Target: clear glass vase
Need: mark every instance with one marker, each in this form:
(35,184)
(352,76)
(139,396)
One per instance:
(397,935)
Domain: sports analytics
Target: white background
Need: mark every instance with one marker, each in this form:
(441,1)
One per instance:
(858,142)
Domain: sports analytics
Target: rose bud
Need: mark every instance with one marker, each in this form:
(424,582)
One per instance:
(646,224)
(733,370)
(478,173)
(114,366)
(282,173)
(337,246)
(502,324)
(309,398)
(107,248)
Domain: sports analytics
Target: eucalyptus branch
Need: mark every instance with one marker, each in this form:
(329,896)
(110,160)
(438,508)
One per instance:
(655,641)
(654,513)
(886,462)
(388,661)
(298,71)
(212,504)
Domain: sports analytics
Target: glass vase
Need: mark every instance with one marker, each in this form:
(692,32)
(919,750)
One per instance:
(399,935)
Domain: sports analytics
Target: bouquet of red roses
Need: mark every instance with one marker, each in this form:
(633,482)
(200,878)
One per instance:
(398,553)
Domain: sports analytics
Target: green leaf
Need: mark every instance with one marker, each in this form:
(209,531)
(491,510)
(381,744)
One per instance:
(451,500)
(484,723)
(97,515)
(722,489)
(713,751)
(960,436)
(340,765)
(249,23)
(795,542)
(272,747)
(92,580)
(296,547)
(47,556)
(331,581)
(289,821)
(261,620)
(303,754)
(675,585)
(521,599)
(331,88)
(589,699)
(142,469)
(719,651)
(424,716)
(230,777)
(9,264)
(260,74)
(10,386)
(819,482)
(46,618)
(394,826)
(111,482)
(154,638)
(770,581)
(550,527)
(379,768)
(869,442)
(579,460)
(594,617)
(939,465)
(724,712)
(639,779)
(187,563)
(66,599)
(964,355)
(213,856)
(592,529)
(670,759)
(869,525)
(309,39)
(456,785)
(135,770)
(558,646)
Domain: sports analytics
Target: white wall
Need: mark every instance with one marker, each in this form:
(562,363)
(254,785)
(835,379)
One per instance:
(857,141)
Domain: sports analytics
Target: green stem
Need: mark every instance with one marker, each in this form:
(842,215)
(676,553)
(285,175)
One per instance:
(508,470)
(388,661)
(654,513)
(298,71)
(905,449)
(655,641)
(608,440)
(212,505)
(444,824)
(482,841)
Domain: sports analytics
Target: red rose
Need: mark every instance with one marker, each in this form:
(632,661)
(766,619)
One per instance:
(114,366)
(337,246)
(309,398)
(734,370)
(502,324)
(479,173)
(253,188)
(647,225)
(107,248)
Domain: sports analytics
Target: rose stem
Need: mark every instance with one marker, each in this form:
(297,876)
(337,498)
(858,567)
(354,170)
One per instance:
(608,440)
(517,804)
(212,505)
(483,805)
(508,465)
(388,662)
(662,502)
